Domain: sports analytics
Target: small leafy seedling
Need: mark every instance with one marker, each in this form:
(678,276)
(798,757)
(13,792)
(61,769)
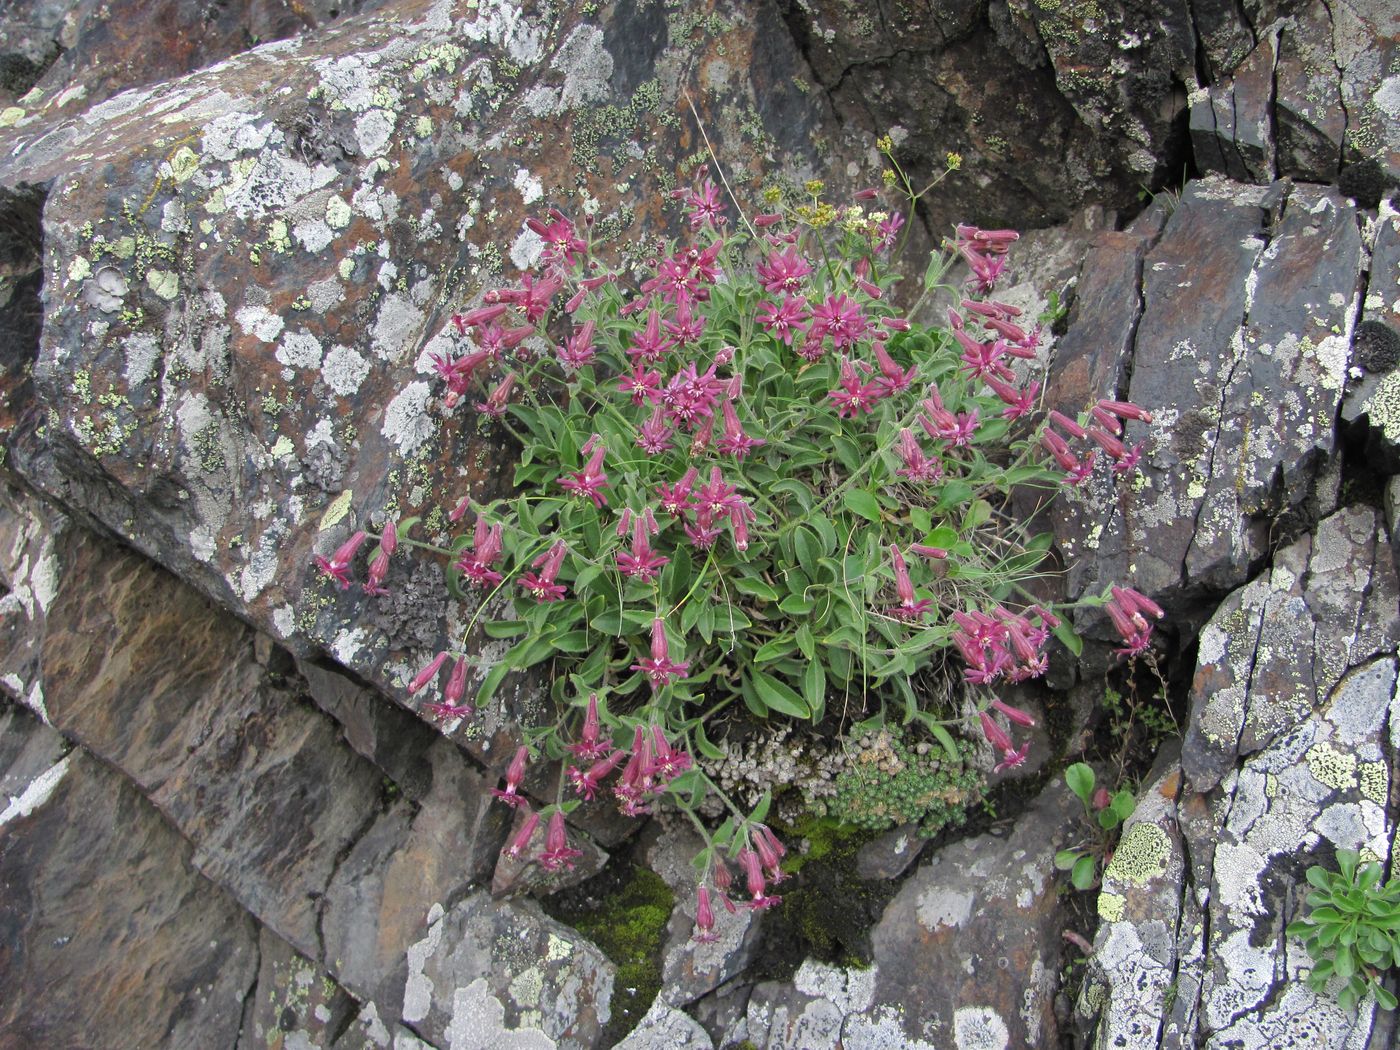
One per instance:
(1352,929)
(1104,813)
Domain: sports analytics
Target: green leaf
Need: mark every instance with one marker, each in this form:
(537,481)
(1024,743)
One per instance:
(774,649)
(1080,778)
(761,810)
(945,739)
(806,644)
(1084,872)
(795,606)
(814,687)
(779,696)
(703,745)
(755,588)
(1066,858)
(727,619)
(1071,641)
(1123,805)
(858,501)
(504,628)
(490,684)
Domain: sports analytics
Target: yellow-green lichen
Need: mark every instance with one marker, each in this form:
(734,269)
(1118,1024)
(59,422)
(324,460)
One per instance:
(1142,855)
(340,506)
(1375,782)
(1331,767)
(1111,906)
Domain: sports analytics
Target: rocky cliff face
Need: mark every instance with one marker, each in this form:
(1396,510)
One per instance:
(231,238)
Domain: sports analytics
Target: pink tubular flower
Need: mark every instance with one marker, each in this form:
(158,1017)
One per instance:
(654,436)
(642,383)
(676,499)
(337,566)
(704,917)
(705,205)
(578,349)
(590,743)
(909,607)
(770,852)
(893,379)
(1066,424)
(521,842)
(591,480)
(562,242)
(1126,410)
(428,673)
(757,885)
(917,465)
(642,563)
(557,852)
(843,320)
(650,345)
(475,564)
(1013,714)
(495,403)
(660,669)
(1012,758)
(378,569)
(667,762)
(542,584)
(586,783)
(452,706)
(514,775)
(735,442)
(887,231)
(996,736)
(852,396)
(1135,602)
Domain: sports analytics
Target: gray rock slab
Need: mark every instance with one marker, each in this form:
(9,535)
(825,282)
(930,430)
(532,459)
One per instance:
(1240,353)
(110,936)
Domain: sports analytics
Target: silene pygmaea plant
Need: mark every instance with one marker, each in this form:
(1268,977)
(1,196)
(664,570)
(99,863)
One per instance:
(1104,814)
(747,477)
(1351,930)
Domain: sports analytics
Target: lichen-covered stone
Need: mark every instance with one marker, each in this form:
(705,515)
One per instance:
(497,974)
(1240,353)
(967,950)
(1276,647)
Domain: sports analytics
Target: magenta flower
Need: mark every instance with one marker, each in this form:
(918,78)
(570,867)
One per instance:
(378,569)
(996,736)
(853,397)
(557,852)
(586,783)
(642,563)
(842,318)
(541,584)
(475,563)
(893,379)
(676,499)
(686,328)
(495,403)
(785,321)
(783,272)
(428,673)
(578,349)
(1014,714)
(521,842)
(917,465)
(654,436)
(735,442)
(650,345)
(716,497)
(591,480)
(757,885)
(667,762)
(591,743)
(770,852)
(514,775)
(337,566)
(705,205)
(909,607)
(660,669)
(641,383)
(1018,402)
(1126,410)
(561,240)
(704,917)
(887,231)
(1012,758)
